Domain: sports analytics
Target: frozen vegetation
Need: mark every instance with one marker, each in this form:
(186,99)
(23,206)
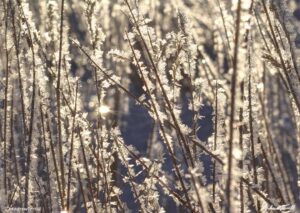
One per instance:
(149,106)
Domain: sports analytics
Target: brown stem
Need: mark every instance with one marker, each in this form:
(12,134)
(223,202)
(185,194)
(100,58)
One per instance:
(59,125)
(232,108)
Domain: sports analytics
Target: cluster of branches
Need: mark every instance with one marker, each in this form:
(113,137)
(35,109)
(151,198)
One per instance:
(67,71)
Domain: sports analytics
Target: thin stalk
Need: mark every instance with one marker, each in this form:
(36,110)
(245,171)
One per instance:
(71,148)
(215,141)
(232,108)
(17,50)
(253,158)
(32,106)
(59,125)
(5,98)
(13,145)
(81,190)
(44,203)
(241,132)
(87,170)
(224,25)
(102,169)
(54,157)
(131,177)
(268,165)
(47,160)
(272,147)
